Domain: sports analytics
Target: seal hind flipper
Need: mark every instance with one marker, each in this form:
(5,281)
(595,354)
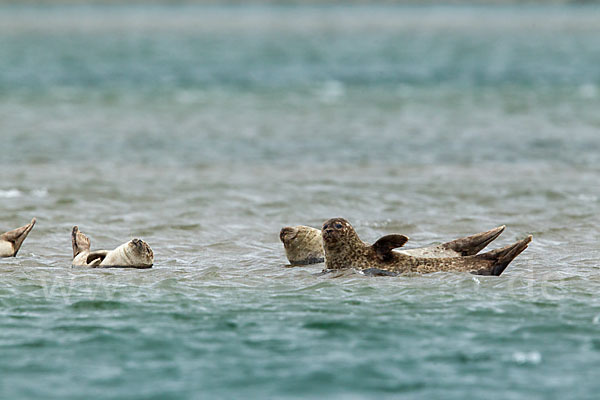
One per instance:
(471,245)
(18,235)
(79,241)
(502,257)
(384,246)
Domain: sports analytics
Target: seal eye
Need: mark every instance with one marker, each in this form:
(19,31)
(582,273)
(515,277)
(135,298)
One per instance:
(338,226)
(324,226)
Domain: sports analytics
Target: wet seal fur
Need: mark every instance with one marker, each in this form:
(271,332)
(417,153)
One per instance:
(344,249)
(134,254)
(11,241)
(304,245)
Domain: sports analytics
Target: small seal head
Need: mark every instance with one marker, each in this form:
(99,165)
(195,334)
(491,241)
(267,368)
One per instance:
(287,234)
(303,244)
(141,252)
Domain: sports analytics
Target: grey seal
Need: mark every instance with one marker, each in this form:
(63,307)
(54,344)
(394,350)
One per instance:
(134,254)
(11,241)
(304,245)
(344,249)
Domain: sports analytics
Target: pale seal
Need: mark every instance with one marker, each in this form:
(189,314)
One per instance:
(134,254)
(344,249)
(11,241)
(304,245)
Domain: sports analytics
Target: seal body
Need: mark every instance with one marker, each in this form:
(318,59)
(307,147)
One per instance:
(134,254)
(11,241)
(344,249)
(304,245)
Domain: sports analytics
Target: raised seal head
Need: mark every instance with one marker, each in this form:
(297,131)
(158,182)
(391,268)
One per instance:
(337,232)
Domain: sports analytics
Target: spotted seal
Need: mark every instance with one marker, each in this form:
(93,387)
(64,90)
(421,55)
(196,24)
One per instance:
(134,254)
(11,241)
(344,249)
(304,245)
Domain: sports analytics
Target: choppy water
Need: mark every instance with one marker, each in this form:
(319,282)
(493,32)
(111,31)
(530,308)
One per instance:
(204,130)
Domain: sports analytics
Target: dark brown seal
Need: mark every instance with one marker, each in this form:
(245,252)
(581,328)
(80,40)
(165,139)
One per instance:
(344,249)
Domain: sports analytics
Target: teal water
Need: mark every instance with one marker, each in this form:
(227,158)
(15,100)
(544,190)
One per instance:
(205,129)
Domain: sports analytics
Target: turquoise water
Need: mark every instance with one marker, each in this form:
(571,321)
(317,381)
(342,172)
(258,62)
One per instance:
(205,129)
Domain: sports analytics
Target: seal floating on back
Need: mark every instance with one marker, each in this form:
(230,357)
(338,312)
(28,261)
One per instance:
(11,241)
(344,249)
(304,245)
(134,254)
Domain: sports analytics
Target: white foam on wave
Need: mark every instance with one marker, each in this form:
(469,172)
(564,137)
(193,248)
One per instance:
(14,193)
(10,193)
(532,357)
(43,192)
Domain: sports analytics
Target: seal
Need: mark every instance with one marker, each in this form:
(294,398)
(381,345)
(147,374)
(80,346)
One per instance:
(134,254)
(304,245)
(344,249)
(11,241)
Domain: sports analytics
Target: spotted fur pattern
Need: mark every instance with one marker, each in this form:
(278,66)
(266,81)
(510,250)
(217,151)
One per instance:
(344,249)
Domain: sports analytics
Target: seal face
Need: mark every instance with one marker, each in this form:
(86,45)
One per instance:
(344,249)
(134,254)
(11,241)
(303,244)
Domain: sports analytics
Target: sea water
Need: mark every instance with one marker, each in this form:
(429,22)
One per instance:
(205,129)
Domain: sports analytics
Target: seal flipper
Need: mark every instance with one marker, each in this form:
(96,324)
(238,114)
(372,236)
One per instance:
(383,247)
(96,257)
(502,257)
(79,241)
(378,272)
(17,236)
(473,244)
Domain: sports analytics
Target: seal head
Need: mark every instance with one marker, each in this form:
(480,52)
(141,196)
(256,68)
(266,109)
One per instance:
(338,232)
(303,244)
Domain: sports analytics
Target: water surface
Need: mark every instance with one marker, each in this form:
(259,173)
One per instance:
(204,130)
